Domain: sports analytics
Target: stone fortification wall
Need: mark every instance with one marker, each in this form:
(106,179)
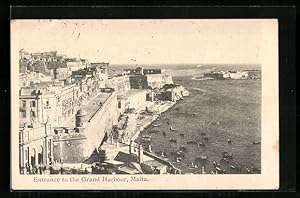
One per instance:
(158,80)
(151,80)
(100,124)
(78,144)
(119,83)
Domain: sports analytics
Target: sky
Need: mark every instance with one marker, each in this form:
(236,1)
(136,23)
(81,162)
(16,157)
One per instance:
(190,41)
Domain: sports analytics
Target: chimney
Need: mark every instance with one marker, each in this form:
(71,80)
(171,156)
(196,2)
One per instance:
(140,154)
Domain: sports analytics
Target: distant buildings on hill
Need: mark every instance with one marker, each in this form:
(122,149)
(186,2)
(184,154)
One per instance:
(246,74)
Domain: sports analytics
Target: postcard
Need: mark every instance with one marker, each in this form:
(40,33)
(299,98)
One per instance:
(147,104)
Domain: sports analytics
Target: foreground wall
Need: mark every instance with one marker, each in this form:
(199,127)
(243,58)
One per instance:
(74,146)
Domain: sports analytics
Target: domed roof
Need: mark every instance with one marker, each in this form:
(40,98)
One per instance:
(81,112)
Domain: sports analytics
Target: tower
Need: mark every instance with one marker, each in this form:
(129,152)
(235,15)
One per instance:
(81,117)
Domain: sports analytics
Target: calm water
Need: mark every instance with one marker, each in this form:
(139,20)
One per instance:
(223,109)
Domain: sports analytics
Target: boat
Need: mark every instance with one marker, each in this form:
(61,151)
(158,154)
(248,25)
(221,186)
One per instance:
(163,154)
(172,129)
(191,142)
(173,140)
(248,170)
(256,142)
(229,141)
(178,159)
(156,125)
(231,166)
(199,66)
(201,144)
(182,148)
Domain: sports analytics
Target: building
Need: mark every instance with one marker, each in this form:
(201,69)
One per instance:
(141,78)
(28,79)
(62,73)
(142,71)
(35,148)
(76,63)
(101,66)
(132,99)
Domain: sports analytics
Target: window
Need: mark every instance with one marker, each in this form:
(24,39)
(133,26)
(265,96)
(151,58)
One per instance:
(23,104)
(32,114)
(32,104)
(47,106)
(23,114)
(26,154)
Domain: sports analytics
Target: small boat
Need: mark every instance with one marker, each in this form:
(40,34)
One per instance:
(156,125)
(178,159)
(256,142)
(231,166)
(214,163)
(194,114)
(163,154)
(182,148)
(248,170)
(191,142)
(173,140)
(194,165)
(229,141)
(181,134)
(218,169)
(201,144)
(168,122)
(172,129)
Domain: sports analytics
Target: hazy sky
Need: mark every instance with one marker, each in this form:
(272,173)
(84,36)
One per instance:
(146,41)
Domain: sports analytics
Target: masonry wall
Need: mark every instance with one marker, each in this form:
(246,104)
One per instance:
(78,146)
(120,83)
(100,124)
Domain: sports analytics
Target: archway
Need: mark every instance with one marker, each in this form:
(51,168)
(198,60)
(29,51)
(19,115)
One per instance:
(40,155)
(32,155)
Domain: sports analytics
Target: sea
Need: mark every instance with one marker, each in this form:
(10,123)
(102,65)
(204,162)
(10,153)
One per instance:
(223,115)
